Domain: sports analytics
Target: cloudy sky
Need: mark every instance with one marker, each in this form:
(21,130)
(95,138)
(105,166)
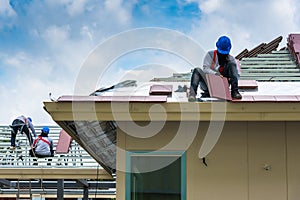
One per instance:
(45,44)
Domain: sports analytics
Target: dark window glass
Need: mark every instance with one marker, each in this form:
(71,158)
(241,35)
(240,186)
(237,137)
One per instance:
(155,177)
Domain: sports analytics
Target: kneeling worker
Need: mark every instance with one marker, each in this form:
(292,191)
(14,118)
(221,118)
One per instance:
(220,63)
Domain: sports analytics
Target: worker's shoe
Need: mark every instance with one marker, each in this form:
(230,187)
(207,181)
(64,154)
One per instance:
(12,148)
(192,98)
(236,95)
(205,95)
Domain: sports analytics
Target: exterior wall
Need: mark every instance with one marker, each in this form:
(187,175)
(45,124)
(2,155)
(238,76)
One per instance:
(251,161)
(293,160)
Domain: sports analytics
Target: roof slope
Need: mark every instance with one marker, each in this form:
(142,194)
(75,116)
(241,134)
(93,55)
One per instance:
(276,66)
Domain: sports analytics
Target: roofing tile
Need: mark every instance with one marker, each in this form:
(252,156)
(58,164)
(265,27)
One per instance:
(262,48)
(63,143)
(155,98)
(247,84)
(286,98)
(263,98)
(293,43)
(267,98)
(161,89)
(218,87)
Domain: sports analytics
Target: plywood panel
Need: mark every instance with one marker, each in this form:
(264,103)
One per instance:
(267,149)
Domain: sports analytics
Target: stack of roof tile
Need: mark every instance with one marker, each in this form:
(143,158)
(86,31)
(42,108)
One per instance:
(294,46)
(263,48)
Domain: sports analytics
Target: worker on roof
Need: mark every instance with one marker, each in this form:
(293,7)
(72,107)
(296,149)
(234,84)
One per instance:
(42,145)
(21,124)
(220,63)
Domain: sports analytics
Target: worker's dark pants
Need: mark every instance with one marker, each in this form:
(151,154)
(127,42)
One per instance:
(230,72)
(198,77)
(16,126)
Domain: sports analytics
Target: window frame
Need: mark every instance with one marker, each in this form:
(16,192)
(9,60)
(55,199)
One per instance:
(180,154)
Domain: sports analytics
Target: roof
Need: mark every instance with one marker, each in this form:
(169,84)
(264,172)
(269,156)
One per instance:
(76,167)
(92,120)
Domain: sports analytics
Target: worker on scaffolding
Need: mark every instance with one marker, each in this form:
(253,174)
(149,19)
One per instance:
(21,124)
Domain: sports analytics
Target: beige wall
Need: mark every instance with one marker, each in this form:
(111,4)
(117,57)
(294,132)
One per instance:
(235,168)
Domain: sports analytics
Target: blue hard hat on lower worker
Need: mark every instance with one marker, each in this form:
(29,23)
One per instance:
(46,129)
(223,45)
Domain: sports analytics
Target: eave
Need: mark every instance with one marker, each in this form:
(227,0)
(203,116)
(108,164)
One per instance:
(173,111)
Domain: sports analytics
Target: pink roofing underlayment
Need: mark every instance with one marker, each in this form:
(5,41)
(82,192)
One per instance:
(114,98)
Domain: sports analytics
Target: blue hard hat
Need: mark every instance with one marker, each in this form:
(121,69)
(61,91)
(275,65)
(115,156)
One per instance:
(29,119)
(46,129)
(223,45)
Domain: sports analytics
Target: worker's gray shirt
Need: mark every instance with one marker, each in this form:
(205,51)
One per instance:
(42,148)
(29,124)
(208,66)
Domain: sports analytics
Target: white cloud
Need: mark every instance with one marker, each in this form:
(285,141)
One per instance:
(247,23)
(209,6)
(286,11)
(119,12)
(56,35)
(86,32)
(5,9)
(72,7)
(76,7)
(30,81)
(68,52)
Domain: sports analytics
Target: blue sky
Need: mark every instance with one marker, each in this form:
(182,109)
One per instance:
(44,43)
